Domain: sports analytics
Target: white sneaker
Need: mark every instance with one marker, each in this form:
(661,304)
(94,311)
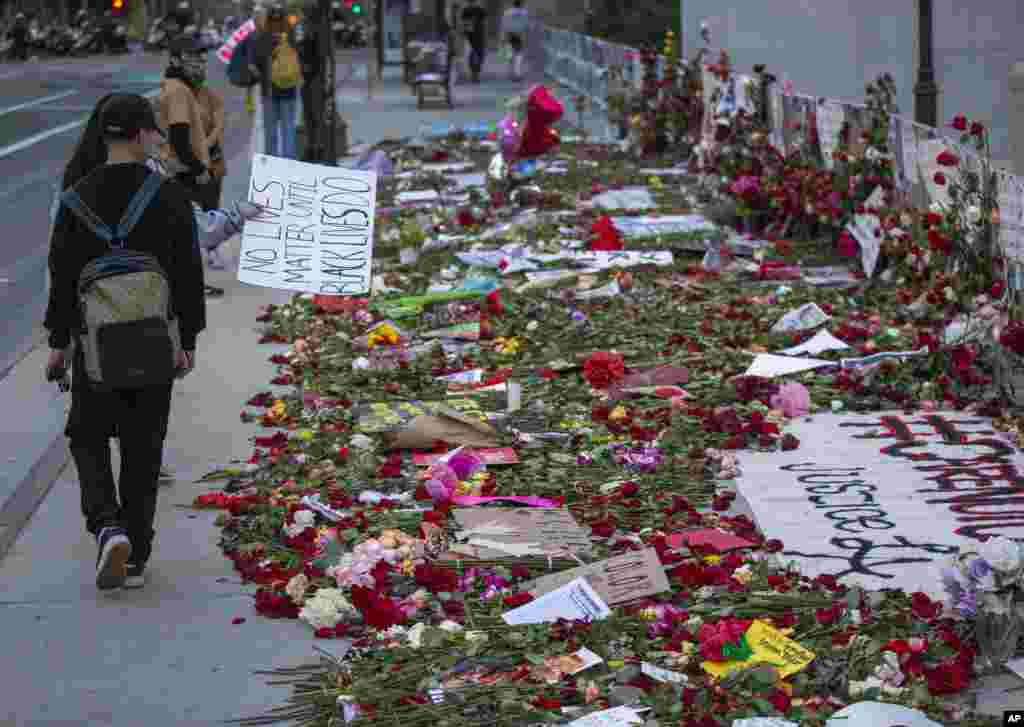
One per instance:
(112,560)
(136,577)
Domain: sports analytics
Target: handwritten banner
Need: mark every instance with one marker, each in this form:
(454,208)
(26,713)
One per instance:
(315,234)
(617,580)
(884,498)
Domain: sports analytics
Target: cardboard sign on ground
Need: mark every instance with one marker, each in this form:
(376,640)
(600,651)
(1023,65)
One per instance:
(513,532)
(621,579)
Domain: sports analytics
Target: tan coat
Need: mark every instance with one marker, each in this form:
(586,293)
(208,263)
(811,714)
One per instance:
(211,110)
(178,105)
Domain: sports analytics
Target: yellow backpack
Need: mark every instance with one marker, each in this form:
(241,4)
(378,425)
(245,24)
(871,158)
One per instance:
(285,73)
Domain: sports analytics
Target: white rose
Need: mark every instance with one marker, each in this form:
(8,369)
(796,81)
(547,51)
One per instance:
(973,214)
(296,588)
(361,441)
(319,615)
(305,518)
(360,364)
(415,635)
(450,626)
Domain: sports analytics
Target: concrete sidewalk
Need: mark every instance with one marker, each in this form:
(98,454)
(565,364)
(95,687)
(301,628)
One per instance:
(168,655)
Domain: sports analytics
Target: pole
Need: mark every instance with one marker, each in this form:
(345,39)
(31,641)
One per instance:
(328,128)
(926,91)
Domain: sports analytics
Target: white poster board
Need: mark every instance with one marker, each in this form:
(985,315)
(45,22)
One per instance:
(885,498)
(315,234)
(667,225)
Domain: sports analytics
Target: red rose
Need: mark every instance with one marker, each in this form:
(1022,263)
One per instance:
(516,600)
(606,236)
(997,289)
(947,159)
(939,242)
(603,369)
(789,443)
(238,620)
(939,178)
(780,700)
(923,607)
(550,705)
(603,529)
(959,123)
(774,545)
(977,129)
(948,678)
(847,247)
(630,489)
(379,612)
(826,616)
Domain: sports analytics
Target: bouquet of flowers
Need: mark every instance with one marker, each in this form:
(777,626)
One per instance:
(983,586)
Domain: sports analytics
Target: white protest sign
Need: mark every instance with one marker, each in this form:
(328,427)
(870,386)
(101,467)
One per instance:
(769,365)
(576,601)
(605,260)
(315,234)
(819,343)
(633,227)
(1011,215)
(829,116)
(885,498)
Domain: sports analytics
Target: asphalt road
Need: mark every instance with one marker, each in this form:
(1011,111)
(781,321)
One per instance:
(43,106)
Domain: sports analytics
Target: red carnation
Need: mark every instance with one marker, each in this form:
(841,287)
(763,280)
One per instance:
(947,159)
(603,369)
(977,129)
(959,123)
(939,178)
(516,600)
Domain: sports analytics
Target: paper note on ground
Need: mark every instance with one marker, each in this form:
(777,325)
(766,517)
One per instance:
(315,234)
(807,316)
(819,343)
(630,198)
(615,717)
(621,579)
(769,646)
(662,675)
(575,601)
(876,714)
(768,365)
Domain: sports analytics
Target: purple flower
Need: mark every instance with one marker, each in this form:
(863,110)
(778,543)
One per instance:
(978,569)
(967,606)
(465,464)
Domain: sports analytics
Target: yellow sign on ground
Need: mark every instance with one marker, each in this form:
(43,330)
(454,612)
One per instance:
(769,646)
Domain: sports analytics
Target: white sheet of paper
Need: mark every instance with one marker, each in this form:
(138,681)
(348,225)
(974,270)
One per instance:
(602,260)
(769,365)
(629,198)
(576,601)
(863,230)
(662,675)
(819,343)
(807,316)
(316,232)
(830,116)
(423,195)
(875,714)
(654,226)
(763,722)
(670,172)
(465,181)
(615,717)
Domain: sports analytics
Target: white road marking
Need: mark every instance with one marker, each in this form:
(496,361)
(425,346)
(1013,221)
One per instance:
(44,135)
(37,102)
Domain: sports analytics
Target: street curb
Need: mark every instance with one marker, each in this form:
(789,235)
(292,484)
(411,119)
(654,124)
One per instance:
(19,508)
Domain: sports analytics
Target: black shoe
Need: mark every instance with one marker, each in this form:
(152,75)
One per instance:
(112,560)
(136,576)
(214,292)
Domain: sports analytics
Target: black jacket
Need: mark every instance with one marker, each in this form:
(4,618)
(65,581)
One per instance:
(167,230)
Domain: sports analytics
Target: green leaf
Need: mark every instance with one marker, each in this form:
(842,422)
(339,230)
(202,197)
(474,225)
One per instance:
(535,659)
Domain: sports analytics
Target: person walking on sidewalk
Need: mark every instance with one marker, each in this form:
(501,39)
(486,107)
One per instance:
(474,20)
(458,41)
(274,63)
(311,57)
(122,191)
(514,25)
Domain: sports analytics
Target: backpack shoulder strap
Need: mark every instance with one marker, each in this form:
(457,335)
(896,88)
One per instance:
(73,201)
(147,192)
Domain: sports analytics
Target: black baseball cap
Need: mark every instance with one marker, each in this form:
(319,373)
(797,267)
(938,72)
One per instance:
(125,115)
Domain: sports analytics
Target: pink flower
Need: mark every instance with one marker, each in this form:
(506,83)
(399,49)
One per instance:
(793,399)
(787,88)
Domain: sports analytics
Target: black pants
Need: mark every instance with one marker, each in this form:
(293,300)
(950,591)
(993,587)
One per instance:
(208,195)
(312,118)
(139,418)
(516,41)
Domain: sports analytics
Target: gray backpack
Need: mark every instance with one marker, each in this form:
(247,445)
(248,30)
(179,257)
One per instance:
(129,334)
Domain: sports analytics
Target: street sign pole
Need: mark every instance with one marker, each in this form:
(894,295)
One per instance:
(328,126)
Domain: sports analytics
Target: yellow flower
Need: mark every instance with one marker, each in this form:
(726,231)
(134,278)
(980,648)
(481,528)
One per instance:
(617,414)
(383,335)
(713,559)
(506,346)
(277,410)
(655,183)
(408,567)
(649,614)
